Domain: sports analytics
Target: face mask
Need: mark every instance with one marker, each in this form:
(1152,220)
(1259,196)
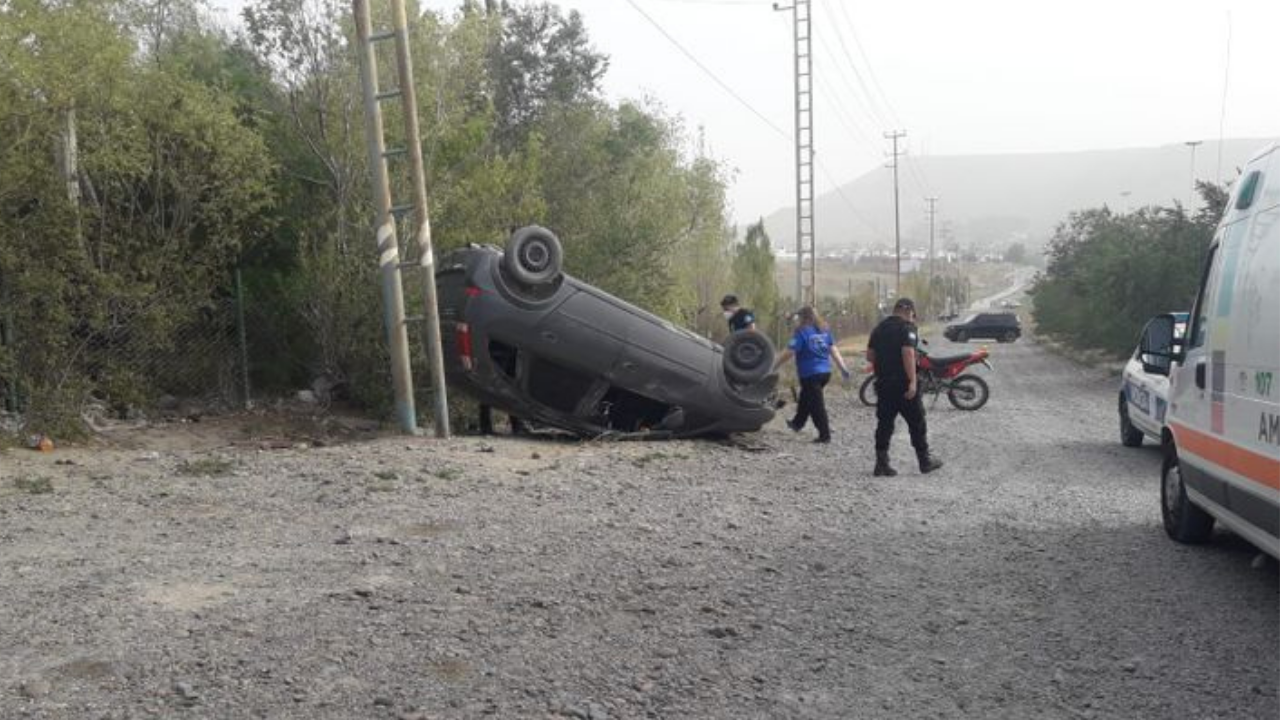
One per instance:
(728,314)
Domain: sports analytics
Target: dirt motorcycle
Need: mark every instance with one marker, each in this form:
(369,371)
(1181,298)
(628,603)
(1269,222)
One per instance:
(936,375)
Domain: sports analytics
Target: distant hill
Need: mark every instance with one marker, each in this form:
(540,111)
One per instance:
(988,201)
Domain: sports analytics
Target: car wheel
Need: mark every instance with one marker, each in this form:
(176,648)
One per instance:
(962,336)
(533,256)
(1130,436)
(968,392)
(867,393)
(1010,336)
(748,357)
(1183,521)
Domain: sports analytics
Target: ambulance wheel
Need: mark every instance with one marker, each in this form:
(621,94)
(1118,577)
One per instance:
(1183,521)
(1130,436)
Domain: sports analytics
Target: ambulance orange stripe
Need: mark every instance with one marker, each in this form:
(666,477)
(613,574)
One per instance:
(1259,468)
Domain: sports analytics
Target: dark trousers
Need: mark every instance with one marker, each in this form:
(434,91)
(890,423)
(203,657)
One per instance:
(812,404)
(890,403)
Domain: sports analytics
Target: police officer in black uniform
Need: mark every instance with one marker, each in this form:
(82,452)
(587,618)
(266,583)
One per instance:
(739,318)
(892,351)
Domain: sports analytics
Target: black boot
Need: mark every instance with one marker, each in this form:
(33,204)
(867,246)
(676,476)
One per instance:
(928,463)
(883,468)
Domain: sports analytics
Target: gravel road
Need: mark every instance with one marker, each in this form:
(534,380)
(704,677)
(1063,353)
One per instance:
(410,578)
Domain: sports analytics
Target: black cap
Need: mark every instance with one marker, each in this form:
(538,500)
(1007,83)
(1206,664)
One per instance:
(904,304)
(729,300)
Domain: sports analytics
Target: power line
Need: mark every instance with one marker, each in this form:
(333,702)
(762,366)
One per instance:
(917,173)
(878,117)
(1226,79)
(844,116)
(708,71)
(853,208)
(857,44)
(876,122)
(817,161)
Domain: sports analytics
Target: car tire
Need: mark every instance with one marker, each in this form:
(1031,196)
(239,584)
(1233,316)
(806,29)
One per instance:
(968,392)
(1183,521)
(533,256)
(1130,436)
(748,357)
(867,393)
(962,336)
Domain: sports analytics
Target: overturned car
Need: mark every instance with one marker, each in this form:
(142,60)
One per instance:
(522,336)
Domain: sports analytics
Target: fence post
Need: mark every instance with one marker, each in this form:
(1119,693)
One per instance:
(6,340)
(244,342)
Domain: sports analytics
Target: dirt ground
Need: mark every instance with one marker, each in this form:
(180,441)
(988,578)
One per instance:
(260,567)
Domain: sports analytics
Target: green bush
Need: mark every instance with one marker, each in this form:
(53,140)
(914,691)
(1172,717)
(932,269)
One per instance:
(1108,273)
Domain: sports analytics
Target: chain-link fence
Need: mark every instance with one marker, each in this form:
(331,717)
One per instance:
(134,357)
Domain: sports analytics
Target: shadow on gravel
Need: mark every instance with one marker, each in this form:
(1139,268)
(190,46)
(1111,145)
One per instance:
(1007,619)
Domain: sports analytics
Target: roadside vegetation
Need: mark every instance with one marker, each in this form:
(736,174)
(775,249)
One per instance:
(1109,272)
(149,155)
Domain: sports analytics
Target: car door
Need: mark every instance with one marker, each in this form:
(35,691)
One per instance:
(982,327)
(1148,389)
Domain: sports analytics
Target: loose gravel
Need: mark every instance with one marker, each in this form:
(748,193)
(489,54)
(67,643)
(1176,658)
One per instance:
(526,578)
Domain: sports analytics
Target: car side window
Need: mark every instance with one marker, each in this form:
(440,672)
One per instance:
(1200,320)
(1156,342)
(1249,190)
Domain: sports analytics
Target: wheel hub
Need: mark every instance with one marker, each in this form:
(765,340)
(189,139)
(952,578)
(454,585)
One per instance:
(747,355)
(536,256)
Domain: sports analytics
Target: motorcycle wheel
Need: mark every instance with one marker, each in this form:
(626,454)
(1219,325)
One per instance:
(968,392)
(867,393)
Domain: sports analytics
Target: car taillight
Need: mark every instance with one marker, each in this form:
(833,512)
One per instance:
(472,291)
(463,336)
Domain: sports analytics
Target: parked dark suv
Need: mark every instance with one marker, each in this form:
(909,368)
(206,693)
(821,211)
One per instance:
(522,336)
(1001,327)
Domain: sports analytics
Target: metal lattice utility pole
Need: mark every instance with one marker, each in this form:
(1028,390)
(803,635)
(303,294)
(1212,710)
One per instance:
(806,274)
(897,224)
(388,249)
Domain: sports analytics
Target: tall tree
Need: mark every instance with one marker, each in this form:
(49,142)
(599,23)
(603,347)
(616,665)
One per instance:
(754,272)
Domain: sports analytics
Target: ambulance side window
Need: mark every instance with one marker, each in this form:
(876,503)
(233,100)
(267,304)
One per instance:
(1200,323)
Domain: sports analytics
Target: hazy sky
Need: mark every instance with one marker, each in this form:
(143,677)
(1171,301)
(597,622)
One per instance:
(971,76)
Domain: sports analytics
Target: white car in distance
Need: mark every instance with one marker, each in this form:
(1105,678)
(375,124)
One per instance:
(1144,395)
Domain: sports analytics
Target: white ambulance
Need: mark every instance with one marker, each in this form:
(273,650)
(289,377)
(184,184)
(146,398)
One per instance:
(1222,435)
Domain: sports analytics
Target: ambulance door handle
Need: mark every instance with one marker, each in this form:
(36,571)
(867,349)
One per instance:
(1200,374)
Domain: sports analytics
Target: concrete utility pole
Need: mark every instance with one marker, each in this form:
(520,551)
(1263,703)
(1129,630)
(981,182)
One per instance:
(389,259)
(897,224)
(933,212)
(426,255)
(1192,197)
(806,287)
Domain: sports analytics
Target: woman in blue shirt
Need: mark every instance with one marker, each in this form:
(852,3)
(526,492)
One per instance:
(814,348)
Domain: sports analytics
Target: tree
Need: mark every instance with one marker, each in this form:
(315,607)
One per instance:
(174,188)
(1016,253)
(1108,273)
(754,273)
(541,59)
